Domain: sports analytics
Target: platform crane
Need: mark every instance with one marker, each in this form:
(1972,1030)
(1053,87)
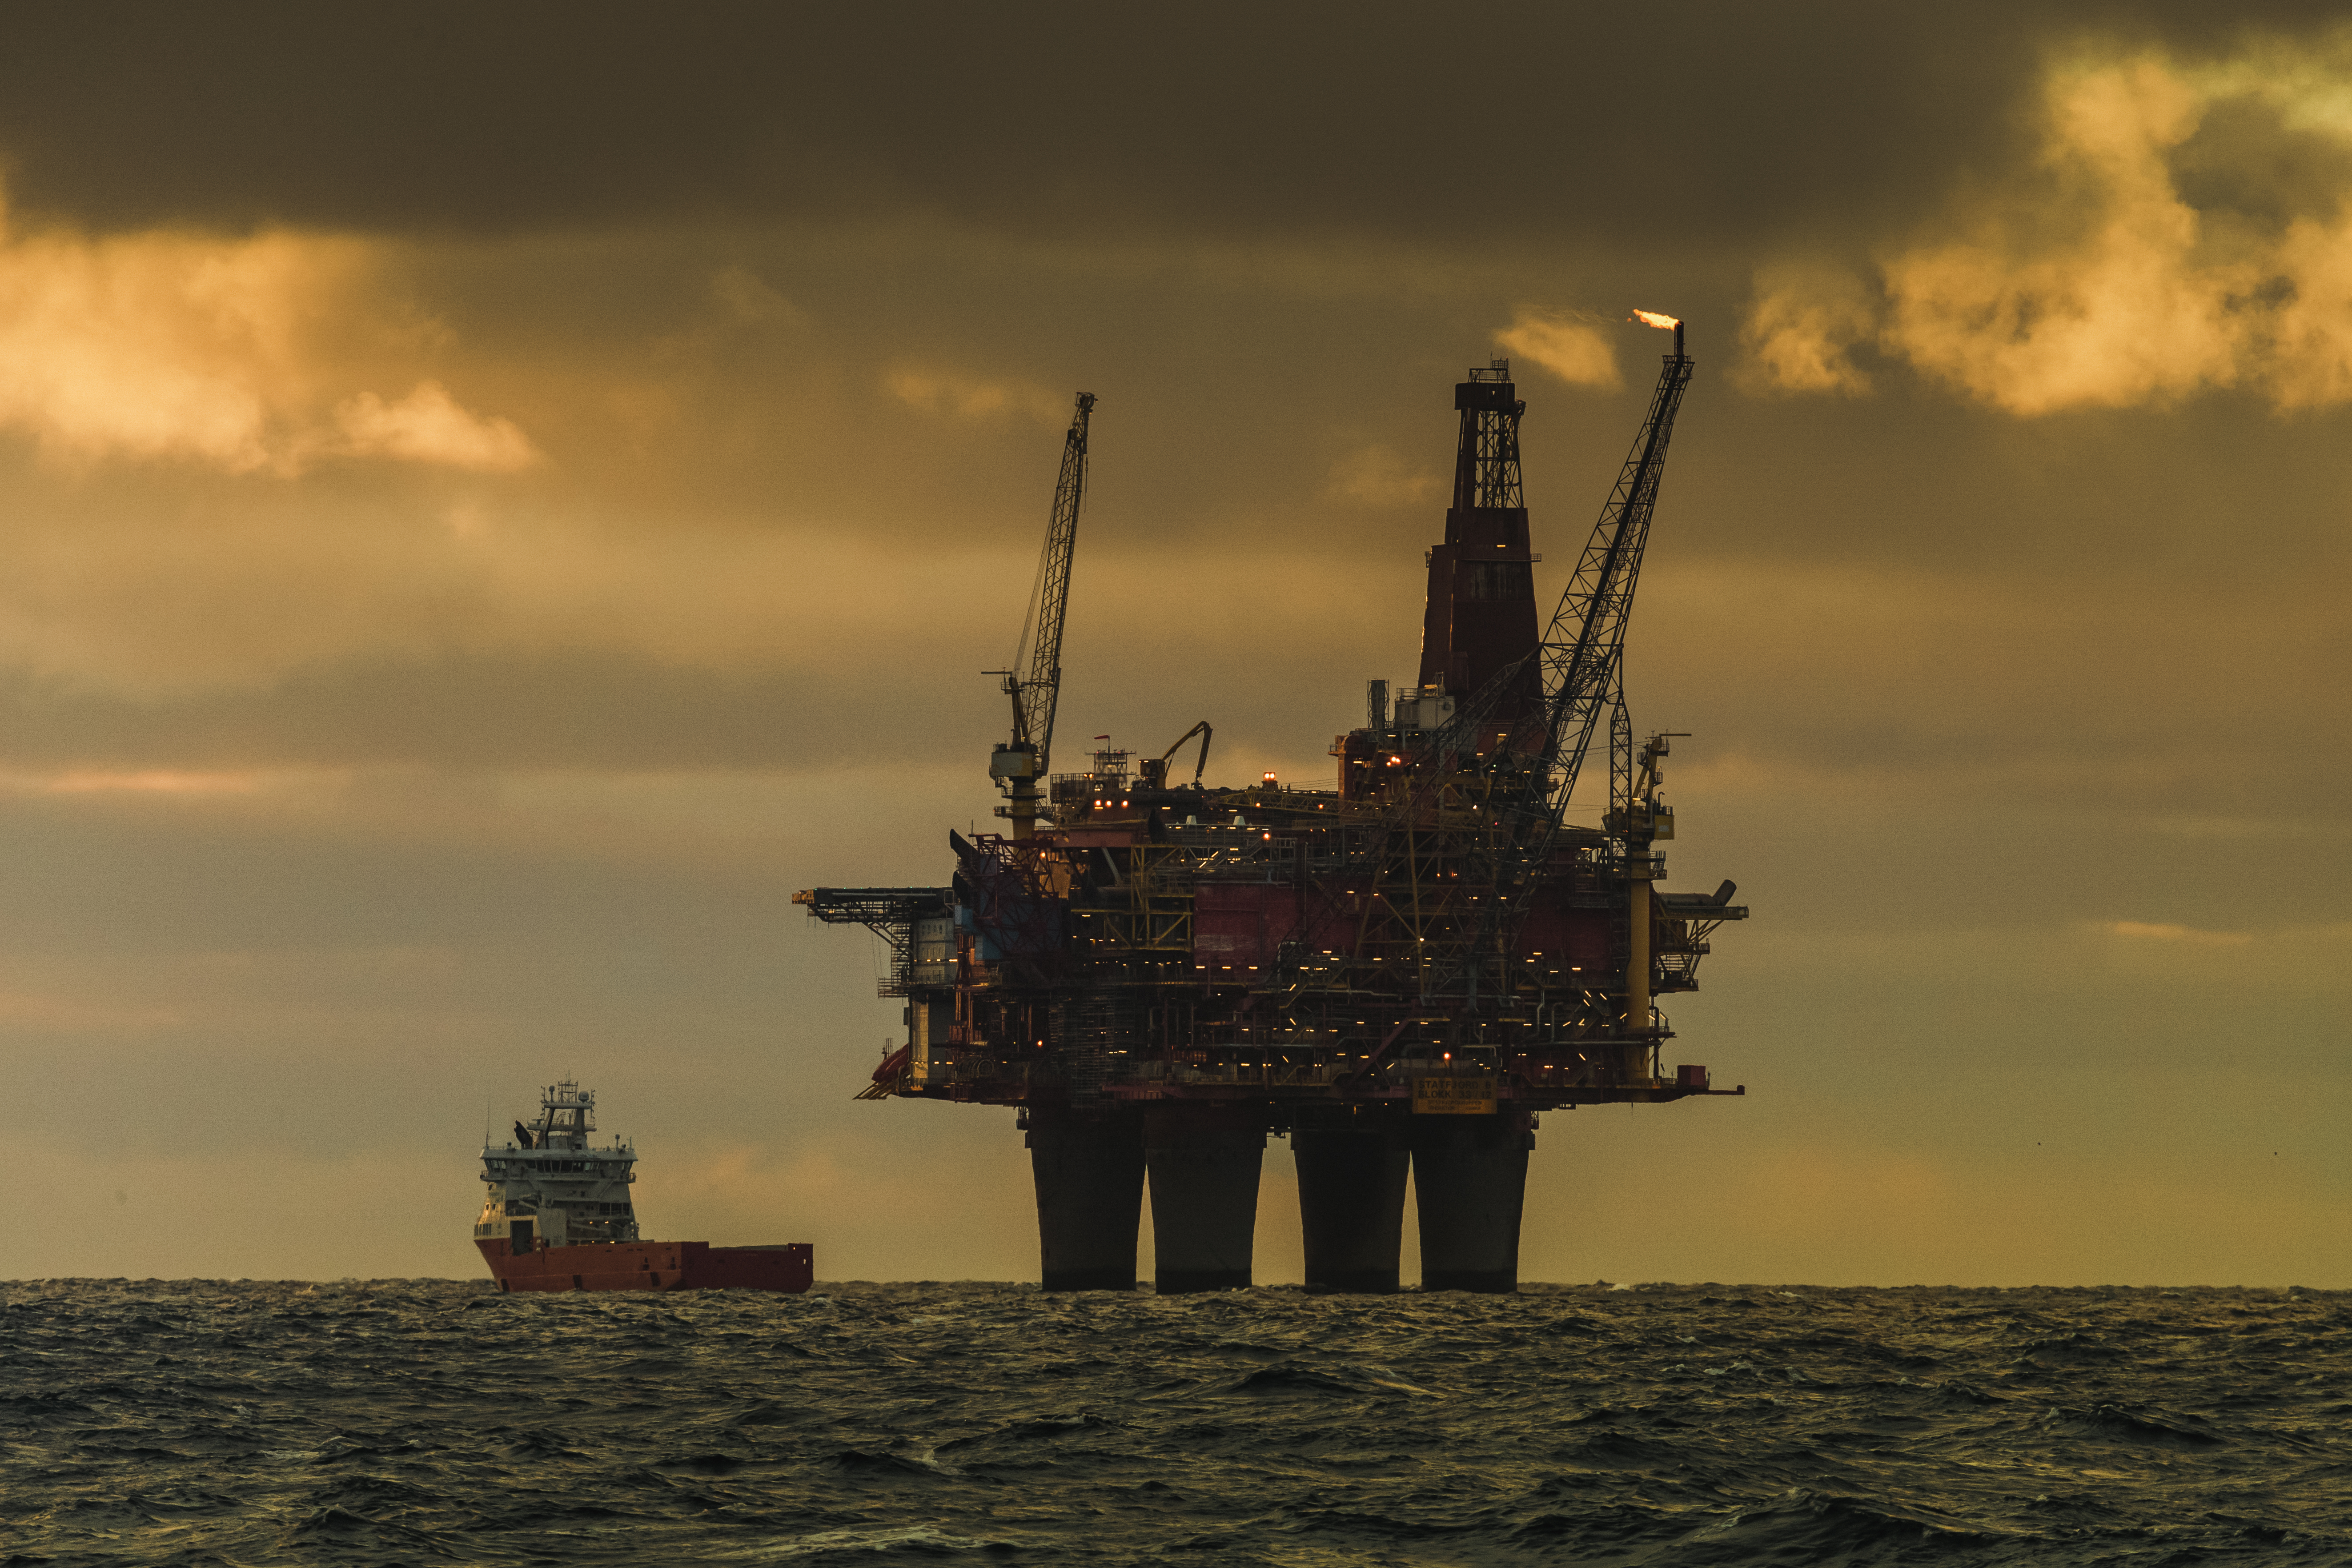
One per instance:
(1155,770)
(1035,681)
(1584,676)
(1584,650)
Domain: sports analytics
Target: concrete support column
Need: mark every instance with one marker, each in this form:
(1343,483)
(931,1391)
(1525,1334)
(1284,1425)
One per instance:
(1088,1167)
(1469,1182)
(1205,1161)
(1351,1199)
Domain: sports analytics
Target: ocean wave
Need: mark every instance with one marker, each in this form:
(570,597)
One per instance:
(384,1422)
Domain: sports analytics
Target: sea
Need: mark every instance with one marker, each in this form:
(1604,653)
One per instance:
(429,1421)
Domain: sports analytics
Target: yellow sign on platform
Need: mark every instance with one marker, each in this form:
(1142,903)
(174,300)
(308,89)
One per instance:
(1453,1097)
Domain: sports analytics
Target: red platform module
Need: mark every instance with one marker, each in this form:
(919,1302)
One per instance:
(559,1217)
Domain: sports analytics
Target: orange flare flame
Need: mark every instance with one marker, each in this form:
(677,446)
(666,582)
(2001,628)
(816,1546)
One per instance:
(1653,318)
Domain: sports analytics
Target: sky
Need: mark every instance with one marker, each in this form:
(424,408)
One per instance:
(492,502)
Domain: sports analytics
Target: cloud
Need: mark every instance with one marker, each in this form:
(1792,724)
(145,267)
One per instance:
(2147,251)
(225,352)
(1801,331)
(125,129)
(750,300)
(428,427)
(153,605)
(970,397)
(1375,476)
(2165,932)
(48,1012)
(147,781)
(1575,352)
(2126,312)
(160,345)
(2313,326)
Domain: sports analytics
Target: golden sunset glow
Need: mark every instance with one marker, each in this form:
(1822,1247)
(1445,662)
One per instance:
(489,518)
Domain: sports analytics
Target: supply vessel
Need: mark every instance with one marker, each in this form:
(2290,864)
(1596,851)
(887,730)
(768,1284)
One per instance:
(1400,968)
(559,1217)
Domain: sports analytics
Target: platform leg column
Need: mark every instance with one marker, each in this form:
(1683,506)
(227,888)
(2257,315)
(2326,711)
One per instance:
(1089,1173)
(1205,1161)
(1470,1180)
(1351,1202)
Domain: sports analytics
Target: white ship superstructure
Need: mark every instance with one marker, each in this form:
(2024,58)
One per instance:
(550,1188)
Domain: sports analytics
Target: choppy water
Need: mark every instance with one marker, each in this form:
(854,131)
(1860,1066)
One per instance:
(420,1422)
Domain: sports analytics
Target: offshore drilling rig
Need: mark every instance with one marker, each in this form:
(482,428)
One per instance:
(1401,972)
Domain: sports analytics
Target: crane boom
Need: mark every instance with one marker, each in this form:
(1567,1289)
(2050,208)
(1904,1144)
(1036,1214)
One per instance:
(1157,771)
(1583,651)
(1035,681)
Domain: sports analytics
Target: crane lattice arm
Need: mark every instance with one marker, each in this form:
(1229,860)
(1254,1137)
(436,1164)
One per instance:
(1035,681)
(1583,652)
(1036,692)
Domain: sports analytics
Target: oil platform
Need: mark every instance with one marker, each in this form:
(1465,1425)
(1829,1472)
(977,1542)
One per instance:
(1401,972)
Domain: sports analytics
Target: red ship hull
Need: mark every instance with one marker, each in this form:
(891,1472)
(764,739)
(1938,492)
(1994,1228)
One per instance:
(650,1266)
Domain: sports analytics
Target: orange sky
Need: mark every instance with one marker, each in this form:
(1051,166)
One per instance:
(496,504)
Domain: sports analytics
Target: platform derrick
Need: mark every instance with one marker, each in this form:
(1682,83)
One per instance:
(1400,973)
